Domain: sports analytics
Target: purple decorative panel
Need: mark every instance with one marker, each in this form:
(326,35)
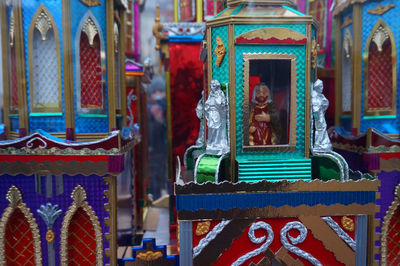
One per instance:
(389,182)
(37,191)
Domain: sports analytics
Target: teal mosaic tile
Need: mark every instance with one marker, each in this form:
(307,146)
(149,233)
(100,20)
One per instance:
(299,52)
(220,73)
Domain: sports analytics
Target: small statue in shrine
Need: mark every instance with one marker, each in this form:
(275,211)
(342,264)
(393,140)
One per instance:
(216,114)
(263,118)
(200,115)
(320,104)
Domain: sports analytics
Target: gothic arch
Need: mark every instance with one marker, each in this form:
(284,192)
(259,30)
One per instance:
(89,45)
(44,63)
(388,225)
(81,207)
(380,68)
(18,207)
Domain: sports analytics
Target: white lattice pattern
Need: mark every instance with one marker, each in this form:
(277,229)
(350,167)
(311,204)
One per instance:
(45,70)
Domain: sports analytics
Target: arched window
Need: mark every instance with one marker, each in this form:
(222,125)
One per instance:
(347,80)
(390,248)
(81,235)
(91,66)
(380,72)
(44,63)
(19,233)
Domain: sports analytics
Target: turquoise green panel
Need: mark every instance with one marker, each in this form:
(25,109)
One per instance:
(207,168)
(299,52)
(242,28)
(273,170)
(220,73)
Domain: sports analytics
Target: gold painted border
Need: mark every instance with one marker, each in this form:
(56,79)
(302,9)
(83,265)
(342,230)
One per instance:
(307,93)
(281,212)
(232,101)
(293,97)
(15,197)
(270,2)
(357,62)
(112,123)
(35,108)
(386,223)
(20,54)
(338,70)
(68,66)
(122,50)
(237,19)
(386,111)
(111,221)
(169,126)
(78,196)
(5,65)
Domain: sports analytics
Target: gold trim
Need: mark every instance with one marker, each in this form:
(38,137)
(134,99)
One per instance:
(43,21)
(380,9)
(356,71)
(232,101)
(379,34)
(199,11)
(293,105)
(270,2)
(236,19)
(323,20)
(68,66)
(307,90)
(278,33)
(386,223)
(5,67)
(314,54)
(219,51)
(112,124)
(169,126)
(91,2)
(209,56)
(338,72)
(122,47)
(347,21)
(111,222)
(20,54)
(78,196)
(14,196)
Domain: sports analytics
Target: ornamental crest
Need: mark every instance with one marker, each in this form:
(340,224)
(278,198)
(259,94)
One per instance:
(91,2)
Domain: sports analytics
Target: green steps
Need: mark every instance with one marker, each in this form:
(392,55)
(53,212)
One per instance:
(274,170)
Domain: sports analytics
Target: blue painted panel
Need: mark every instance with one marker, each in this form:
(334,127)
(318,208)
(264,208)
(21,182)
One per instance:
(14,124)
(78,11)
(261,200)
(391,18)
(29,8)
